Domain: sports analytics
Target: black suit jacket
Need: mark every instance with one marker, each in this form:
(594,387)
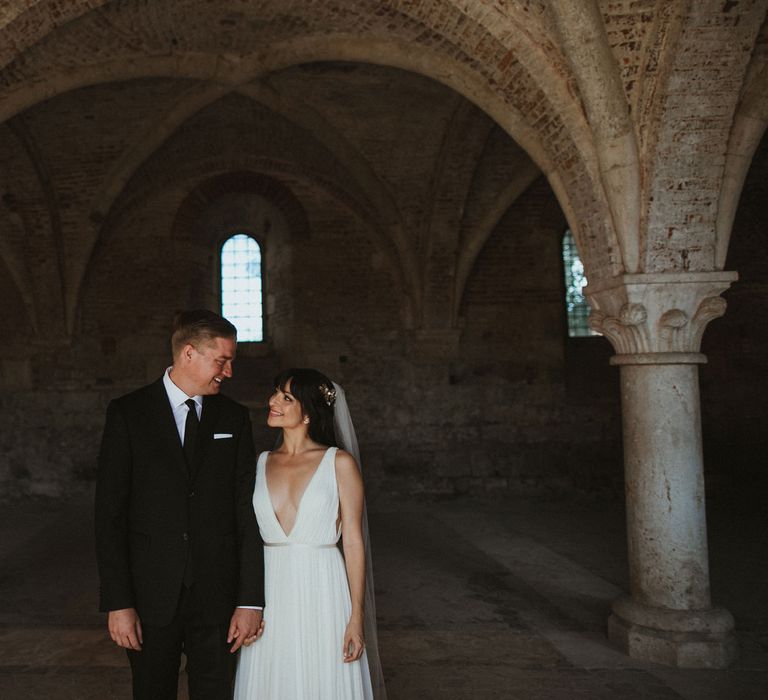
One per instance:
(155,517)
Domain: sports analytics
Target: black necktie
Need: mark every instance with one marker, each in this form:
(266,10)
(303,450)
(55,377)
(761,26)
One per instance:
(190,433)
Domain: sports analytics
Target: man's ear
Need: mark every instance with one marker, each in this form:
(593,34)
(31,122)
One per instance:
(186,352)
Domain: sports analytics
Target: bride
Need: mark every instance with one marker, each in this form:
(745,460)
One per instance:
(319,615)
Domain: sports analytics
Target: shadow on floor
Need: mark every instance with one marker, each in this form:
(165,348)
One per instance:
(492,597)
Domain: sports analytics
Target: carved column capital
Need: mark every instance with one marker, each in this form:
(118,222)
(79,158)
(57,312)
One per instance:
(659,317)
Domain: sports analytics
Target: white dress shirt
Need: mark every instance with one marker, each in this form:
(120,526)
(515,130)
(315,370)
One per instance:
(178,403)
(180,410)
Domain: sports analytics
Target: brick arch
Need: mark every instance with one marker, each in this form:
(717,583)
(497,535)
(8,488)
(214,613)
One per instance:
(528,64)
(262,207)
(279,170)
(26,22)
(358,193)
(265,177)
(369,188)
(241,182)
(749,126)
(688,194)
(504,58)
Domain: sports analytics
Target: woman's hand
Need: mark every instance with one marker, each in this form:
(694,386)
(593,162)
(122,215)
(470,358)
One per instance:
(250,640)
(353,641)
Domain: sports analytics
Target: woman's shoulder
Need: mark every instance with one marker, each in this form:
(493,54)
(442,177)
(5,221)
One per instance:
(345,461)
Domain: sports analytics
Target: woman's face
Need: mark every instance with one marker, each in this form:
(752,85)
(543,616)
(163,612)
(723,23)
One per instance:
(284,409)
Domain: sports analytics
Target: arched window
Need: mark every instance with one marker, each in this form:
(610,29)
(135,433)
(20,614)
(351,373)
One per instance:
(576,304)
(241,289)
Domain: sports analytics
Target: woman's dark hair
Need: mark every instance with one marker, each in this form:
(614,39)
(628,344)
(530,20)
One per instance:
(305,387)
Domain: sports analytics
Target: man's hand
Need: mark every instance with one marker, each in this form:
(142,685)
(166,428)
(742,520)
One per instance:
(245,624)
(250,640)
(125,628)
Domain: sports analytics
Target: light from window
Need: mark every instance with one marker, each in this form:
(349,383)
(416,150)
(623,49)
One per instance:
(577,306)
(241,290)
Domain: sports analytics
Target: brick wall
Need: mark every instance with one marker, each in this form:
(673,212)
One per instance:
(500,400)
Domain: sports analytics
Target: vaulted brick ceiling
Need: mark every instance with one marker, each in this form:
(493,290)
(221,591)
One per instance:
(505,60)
(602,96)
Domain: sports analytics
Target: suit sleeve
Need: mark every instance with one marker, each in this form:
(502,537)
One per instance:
(113,483)
(251,546)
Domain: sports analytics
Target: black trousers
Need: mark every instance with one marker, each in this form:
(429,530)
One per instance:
(210,665)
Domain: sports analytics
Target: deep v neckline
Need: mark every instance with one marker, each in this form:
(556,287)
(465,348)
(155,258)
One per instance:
(301,498)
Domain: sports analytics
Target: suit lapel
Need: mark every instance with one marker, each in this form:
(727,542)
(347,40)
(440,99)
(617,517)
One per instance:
(161,417)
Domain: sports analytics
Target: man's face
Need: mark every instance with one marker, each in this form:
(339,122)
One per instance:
(208,364)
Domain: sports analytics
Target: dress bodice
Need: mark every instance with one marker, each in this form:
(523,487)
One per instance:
(318,508)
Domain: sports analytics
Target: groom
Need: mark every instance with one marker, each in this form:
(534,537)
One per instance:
(179,553)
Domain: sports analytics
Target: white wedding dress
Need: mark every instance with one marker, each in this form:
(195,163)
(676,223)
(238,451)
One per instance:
(299,656)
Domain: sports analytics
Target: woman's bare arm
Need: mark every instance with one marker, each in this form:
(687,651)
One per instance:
(351,504)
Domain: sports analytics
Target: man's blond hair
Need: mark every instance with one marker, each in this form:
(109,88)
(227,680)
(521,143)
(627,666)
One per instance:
(197,327)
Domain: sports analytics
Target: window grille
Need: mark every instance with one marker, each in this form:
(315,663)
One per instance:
(577,306)
(241,287)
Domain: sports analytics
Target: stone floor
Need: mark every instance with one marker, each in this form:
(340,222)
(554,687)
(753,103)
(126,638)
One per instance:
(492,597)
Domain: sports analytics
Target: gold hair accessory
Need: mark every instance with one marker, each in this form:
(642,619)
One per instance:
(328,394)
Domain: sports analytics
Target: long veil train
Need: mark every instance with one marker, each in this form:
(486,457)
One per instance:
(347,439)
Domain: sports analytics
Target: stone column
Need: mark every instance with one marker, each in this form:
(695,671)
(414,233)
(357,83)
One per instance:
(655,323)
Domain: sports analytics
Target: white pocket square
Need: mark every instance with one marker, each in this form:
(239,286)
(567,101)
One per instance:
(221,436)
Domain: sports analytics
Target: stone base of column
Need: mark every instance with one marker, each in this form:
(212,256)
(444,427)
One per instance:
(681,638)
